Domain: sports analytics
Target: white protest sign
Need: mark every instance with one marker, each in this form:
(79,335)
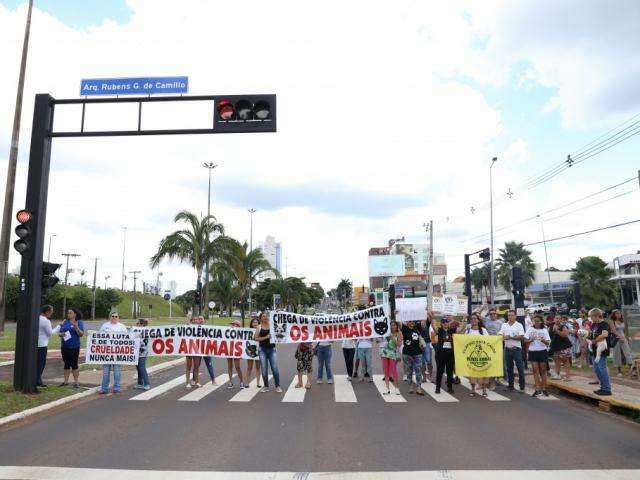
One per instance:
(411,309)
(113,348)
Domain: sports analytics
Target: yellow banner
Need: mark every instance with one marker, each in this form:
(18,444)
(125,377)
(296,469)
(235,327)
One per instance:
(478,355)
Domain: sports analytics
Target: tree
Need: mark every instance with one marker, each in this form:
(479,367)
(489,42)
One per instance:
(477,280)
(192,244)
(595,287)
(344,290)
(514,255)
(551,269)
(223,290)
(245,266)
(106,301)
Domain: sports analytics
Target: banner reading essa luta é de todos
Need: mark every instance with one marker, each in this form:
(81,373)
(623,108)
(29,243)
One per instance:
(288,327)
(199,341)
(112,347)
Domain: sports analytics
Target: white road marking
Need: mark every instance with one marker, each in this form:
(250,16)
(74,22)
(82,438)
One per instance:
(293,394)
(491,395)
(343,390)
(160,389)
(247,394)
(7,363)
(64,473)
(443,396)
(529,391)
(392,397)
(199,393)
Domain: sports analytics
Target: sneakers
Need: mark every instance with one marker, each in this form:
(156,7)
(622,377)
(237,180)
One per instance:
(76,385)
(536,393)
(230,386)
(330,381)
(138,387)
(278,389)
(349,379)
(420,391)
(602,393)
(188,386)
(450,389)
(264,390)
(545,393)
(319,380)
(146,387)
(437,390)
(556,377)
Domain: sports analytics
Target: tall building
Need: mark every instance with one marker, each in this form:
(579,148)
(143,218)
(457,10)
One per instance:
(272,252)
(173,288)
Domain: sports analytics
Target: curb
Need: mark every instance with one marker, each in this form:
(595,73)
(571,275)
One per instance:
(78,396)
(604,401)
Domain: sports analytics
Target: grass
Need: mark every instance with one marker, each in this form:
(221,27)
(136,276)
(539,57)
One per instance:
(12,401)
(159,306)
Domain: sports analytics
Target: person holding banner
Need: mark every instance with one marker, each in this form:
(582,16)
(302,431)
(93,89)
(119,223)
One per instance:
(324,353)
(254,364)
(349,352)
(363,355)
(304,357)
(390,357)
(442,341)
(192,365)
(235,362)
(208,361)
(112,326)
(267,352)
(413,344)
(476,327)
(141,367)
(538,339)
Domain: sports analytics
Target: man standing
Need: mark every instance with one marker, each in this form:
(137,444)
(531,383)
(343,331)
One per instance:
(112,326)
(600,331)
(44,333)
(493,324)
(513,333)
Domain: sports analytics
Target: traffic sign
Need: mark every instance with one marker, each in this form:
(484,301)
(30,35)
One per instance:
(134,86)
(212,304)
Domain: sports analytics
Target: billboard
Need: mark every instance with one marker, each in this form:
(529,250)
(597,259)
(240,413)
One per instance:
(386,265)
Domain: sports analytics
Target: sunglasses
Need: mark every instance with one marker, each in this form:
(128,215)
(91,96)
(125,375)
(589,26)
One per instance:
(115,316)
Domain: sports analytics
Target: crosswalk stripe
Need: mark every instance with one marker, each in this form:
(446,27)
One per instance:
(293,394)
(343,390)
(529,391)
(206,389)
(247,394)
(392,397)
(442,397)
(491,395)
(160,389)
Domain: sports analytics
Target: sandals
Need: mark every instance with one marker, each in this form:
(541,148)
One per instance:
(299,385)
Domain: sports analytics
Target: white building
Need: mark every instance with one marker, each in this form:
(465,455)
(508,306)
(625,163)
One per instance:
(173,288)
(272,252)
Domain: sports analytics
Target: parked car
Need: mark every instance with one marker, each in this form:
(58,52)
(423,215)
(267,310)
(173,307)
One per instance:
(535,308)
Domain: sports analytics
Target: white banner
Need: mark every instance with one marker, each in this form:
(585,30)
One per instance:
(112,348)
(288,327)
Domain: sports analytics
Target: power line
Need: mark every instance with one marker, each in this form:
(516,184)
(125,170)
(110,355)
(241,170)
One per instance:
(607,132)
(583,233)
(589,206)
(585,151)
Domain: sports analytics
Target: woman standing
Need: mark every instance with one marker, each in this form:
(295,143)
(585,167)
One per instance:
(304,357)
(476,327)
(584,330)
(267,353)
(390,357)
(561,349)
(537,337)
(235,362)
(621,352)
(70,331)
(254,364)
(141,367)
(442,341)
(324,353)
(192,364)
(349,352)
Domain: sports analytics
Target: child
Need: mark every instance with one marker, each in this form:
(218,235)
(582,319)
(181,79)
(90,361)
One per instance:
(143,376)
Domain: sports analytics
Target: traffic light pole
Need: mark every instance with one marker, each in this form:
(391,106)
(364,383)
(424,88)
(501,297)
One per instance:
(30,283)
(485,256)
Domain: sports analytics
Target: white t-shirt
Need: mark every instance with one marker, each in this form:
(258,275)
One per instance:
(348,343)
(514,330)
(324,344)
(113,327)
(471,331)
(365,343)
(535,336)
(44,331)
(528,322)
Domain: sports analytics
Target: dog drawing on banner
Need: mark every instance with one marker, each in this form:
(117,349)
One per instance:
(280,327)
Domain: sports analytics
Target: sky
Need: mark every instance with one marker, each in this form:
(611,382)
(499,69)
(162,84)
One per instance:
(389,114)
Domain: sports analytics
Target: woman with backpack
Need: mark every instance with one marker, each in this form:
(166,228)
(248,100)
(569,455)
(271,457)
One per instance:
(476,327)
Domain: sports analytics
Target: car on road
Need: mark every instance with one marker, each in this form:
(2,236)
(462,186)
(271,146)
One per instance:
(535,308)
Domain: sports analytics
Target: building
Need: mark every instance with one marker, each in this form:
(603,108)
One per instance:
(272,252)
(626,273)
(173,288)
(547,284)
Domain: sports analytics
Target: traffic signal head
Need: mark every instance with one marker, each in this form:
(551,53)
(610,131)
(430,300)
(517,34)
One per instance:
(245,113)
(485,255)
(23,231)
(49,279)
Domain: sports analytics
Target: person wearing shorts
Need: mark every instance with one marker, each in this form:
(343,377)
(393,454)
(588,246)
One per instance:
(363,353)
(561,348)
(537,338)
(70,331)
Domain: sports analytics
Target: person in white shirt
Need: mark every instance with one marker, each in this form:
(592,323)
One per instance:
(538,339)
(476,327)
(513,333)
(112,326)
(363,352)
(44,333)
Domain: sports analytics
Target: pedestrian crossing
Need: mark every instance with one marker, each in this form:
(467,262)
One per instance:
(343,391)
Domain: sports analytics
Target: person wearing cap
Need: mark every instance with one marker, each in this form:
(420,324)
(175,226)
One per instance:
(235,362)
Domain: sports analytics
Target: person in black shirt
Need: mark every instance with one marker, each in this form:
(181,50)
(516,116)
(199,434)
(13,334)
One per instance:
(561,348)
(412,355)
(600,331)
(427,365)
(442,340)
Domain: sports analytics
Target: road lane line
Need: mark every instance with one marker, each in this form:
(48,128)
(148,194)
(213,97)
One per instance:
(382,388)
(293,394)
(343,390)
(206,389)
(442,397)
(160,389)
(247,394)
(491,395)
(529,391)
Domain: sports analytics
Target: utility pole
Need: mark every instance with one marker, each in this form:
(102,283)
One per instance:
(106,279)
(209,166)
(66,282)
(491,281)
(124,247)
(7,215)
(49,254)
(93,289)
(546,258)
(251,212)
(135,303)
(429,228)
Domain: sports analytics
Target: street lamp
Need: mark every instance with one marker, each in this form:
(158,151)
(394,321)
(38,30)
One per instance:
(493,161)
(124,247)
(49,254)
(209,166)
(251,212)
(106,279)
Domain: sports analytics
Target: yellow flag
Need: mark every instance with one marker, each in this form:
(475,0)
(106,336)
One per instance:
(478,355)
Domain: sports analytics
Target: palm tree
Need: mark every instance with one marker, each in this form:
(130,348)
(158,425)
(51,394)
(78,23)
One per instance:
(477,280)
(344,291)
(223,290)
(595,287)
(191,244)
(245,266)
(514,255)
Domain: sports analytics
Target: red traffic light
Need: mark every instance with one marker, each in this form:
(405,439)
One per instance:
(23,216)
(226,110)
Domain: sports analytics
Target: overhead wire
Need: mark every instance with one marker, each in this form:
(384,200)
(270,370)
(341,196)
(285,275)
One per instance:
(582,233)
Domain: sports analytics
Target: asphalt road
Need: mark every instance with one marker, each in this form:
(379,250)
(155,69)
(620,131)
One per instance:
(320,434)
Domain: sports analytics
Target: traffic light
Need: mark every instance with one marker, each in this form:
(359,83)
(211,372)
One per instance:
(49,279)
(245,113)
(517,281)
(23,231)
(485,255)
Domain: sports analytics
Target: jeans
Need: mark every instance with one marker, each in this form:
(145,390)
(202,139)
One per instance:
(600,367)
(106,377)
(349,353)
(426,354)
(444,361)
(364,355)
(208,361)
(413,364)
(143,376)
(268,356)
(514,355)
(42,361)
(324,360)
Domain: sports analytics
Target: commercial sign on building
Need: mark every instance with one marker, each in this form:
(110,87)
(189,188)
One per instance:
(134,86)
(386,265)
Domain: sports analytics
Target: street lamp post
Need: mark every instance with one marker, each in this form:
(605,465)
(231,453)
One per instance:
(49,254)
(251,212)
(106,279)
(124,247)
(135,301)
(491,292)
(546,258)
(66,282)
(209,166)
